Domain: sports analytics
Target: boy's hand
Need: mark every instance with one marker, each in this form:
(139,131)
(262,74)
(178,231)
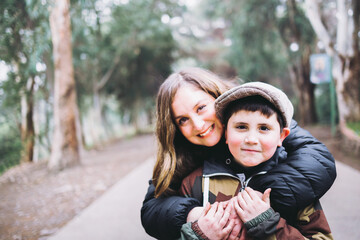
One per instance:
(238,230)
(249,204)
(213,221)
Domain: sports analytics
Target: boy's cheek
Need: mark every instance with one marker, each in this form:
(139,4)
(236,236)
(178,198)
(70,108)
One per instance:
(233,138)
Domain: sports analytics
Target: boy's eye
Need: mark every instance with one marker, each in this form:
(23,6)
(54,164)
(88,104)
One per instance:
(241,127)
(264,128)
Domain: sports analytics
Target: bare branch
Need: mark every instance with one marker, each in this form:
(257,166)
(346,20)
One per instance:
(313,12)
(107,75)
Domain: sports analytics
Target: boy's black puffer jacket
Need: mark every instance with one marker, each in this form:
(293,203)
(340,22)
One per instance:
(309,171)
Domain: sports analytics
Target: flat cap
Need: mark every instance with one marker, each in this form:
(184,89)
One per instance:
(274,95)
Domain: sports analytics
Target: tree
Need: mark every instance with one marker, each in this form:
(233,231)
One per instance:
(295,31)
(338,30)
(23,42)
(65,145)
(271,41)
(144,47)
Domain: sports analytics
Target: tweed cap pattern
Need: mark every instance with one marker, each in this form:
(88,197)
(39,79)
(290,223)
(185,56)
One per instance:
(274,95)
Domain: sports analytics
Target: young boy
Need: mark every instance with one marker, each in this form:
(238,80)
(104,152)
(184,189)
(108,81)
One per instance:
(256,117)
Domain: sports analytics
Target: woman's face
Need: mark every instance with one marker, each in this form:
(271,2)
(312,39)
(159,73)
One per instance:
(194,113)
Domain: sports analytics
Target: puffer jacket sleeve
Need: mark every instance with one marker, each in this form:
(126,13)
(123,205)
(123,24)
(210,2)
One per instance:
(163,217)
(302,177)
(311,223)
(312,159)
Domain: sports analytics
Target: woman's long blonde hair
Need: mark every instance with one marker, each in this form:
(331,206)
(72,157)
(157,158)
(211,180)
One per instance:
(175,155)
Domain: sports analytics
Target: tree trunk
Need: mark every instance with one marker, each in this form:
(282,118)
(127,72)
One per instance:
(100,133)
(305,93)
(65,145)
(98,127)
(27,123)
(346,74)
(346,63)
(307,88)
(299,68)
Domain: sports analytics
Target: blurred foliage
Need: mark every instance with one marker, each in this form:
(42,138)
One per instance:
(124,42)
(123,50)
(10,148)
(256,51)
(355,126)
(270,41)
(24,45)
(323,108)
(144,45)
(132,40)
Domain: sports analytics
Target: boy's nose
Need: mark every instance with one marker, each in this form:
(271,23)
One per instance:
(250,139)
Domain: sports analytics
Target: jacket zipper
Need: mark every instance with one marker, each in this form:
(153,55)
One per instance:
(246,183)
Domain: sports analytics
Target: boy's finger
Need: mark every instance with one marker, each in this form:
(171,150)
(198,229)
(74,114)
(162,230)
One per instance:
(229,207)
(220,211)
(252,194)
(228,228)
(240,200)
(246,196)
(235,232)
(206,209)
(266,196)
(224,219)
(213,209)
(237,206)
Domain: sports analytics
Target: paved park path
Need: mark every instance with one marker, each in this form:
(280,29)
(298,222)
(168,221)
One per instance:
(116,214)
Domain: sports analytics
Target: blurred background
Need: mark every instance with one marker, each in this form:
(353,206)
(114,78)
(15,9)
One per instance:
(77,75)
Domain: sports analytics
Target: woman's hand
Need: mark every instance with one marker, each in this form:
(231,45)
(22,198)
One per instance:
(250,204)
(194,214)
(214,221)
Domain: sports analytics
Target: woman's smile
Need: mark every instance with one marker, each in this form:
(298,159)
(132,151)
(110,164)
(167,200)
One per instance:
(207,132)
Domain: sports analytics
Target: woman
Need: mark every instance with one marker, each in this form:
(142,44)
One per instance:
(189,132)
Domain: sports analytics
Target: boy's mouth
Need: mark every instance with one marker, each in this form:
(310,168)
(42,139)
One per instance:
(250,150)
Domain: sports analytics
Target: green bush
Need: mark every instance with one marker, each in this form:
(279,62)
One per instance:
(355,126)
(10,149)
(322,104)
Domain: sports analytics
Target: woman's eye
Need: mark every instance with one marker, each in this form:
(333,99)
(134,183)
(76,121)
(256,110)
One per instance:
(201,107)
(182,121)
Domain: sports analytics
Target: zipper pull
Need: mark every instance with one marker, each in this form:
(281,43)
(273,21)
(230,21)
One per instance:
(242,178)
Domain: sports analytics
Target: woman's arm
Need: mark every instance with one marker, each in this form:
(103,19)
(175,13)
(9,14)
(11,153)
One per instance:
(163,217)
(312,159)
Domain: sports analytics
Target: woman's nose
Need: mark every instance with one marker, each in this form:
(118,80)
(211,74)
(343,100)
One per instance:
(198,123)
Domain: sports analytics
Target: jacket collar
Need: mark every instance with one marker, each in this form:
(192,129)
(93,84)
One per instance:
(221,162)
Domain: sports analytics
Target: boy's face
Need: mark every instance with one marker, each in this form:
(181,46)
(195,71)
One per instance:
(253,138)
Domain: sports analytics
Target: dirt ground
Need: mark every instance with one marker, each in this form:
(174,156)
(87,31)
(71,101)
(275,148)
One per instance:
(35,203)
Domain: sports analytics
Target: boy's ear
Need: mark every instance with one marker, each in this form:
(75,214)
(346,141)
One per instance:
(285,132)
(226,141)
